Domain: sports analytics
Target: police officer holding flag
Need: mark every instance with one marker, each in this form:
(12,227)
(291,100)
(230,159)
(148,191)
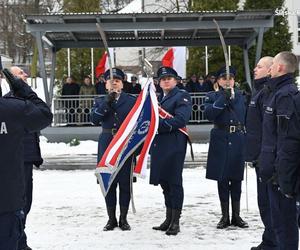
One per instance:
(110,111)
(226,108)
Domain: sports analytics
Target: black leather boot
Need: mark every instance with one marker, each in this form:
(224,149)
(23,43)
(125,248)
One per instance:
(174,227)
(236,219)
(165,225)
(224,222)
(123,224)
(112,220)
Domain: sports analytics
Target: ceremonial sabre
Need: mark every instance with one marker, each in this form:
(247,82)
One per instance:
(225,54)
(104,40)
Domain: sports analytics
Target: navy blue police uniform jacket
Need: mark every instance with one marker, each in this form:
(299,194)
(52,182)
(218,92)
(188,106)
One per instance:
(17,116)
(226,150)
(110,118)
(254,120)
(288,165)
(32,151)
(169,145)
(279,107)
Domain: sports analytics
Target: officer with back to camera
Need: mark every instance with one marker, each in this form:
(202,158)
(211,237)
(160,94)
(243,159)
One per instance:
(110,111)
(32,157)
(226,108)
(25,113)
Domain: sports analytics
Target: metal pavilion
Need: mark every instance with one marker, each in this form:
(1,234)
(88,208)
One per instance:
(78,30)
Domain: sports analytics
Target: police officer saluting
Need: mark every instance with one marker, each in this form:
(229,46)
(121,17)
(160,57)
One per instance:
(225,163)
(110,111)
(169,148)
(278,111)
(25,113)
(32,156)
(254,127)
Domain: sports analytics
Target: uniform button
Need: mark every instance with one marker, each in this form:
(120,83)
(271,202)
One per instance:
(231,121)
(154,144)
(229,143)
(105,110)
(115,124)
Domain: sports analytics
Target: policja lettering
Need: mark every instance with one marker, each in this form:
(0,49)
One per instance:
(3,129)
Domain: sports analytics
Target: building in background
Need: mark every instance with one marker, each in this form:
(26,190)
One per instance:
(293,12)
(130,59)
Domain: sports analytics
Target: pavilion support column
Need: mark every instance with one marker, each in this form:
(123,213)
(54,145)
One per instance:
(259,45)
(52,74)
(247,67)
(39,43)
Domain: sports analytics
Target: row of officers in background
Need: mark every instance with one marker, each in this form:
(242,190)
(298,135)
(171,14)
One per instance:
(266,134)
(271,144)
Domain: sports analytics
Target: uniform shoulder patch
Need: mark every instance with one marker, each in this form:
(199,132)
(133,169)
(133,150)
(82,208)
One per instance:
(269,109)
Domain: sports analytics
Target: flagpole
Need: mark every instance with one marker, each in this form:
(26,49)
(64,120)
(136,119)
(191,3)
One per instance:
(92,66)
(206,60)
(69,62)
(229,55)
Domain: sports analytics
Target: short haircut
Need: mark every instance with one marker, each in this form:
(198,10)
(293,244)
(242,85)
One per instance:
(289,60)
(268,61)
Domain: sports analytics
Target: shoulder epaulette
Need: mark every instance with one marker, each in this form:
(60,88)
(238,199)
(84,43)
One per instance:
(132,95)
(14,97)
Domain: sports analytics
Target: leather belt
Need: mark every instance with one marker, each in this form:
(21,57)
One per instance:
(231,128)
(112,131)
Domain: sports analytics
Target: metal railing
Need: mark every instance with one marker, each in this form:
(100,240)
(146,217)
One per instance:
(75,110)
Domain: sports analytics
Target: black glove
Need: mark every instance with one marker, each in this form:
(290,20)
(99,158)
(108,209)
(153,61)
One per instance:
(227,93)
(111,97)
(17,85)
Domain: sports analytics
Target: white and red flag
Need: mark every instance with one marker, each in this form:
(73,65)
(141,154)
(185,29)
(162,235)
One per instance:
(175,58)
(138,128)
(103,63)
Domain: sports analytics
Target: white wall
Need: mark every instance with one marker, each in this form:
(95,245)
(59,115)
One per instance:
(293,13)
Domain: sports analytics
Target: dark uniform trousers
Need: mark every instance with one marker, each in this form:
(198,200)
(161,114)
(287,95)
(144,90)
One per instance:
(11,229)
(284,219)
(173,194)
(123,179)
(263,200)
(232,188)
(28,167)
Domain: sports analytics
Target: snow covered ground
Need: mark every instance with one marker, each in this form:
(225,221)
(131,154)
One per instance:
(68,212)
(90,147)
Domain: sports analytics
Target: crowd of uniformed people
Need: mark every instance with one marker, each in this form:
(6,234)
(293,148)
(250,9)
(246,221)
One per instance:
(264,132)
